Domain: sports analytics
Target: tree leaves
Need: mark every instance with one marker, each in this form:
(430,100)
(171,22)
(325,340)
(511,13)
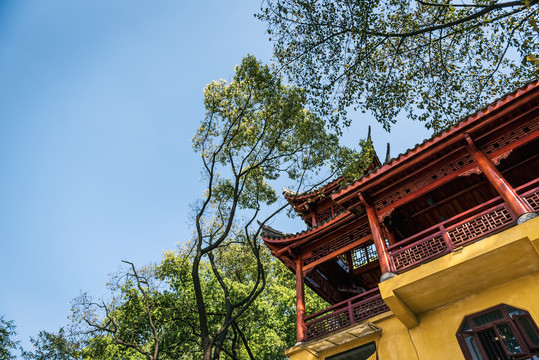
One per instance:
(7,344)
(435,60)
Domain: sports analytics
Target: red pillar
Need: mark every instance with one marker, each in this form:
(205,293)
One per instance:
(518,206)
(376,229)
(300,302)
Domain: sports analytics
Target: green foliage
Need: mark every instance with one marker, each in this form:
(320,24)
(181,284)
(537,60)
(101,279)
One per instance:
(257,129)
(224,296)
(265,329)
(268,325)
(437,60)
(352,164)
(57,346)
(7,344)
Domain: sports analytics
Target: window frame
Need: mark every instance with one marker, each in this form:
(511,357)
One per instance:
(512,321)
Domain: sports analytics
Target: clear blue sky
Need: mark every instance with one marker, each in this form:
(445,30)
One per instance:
(98,102)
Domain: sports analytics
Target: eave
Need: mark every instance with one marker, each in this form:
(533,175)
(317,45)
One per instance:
(438,142)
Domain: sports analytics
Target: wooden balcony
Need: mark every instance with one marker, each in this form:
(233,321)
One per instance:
(346,313)
(463,229)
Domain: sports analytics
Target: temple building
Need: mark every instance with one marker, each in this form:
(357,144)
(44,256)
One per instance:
(433,254)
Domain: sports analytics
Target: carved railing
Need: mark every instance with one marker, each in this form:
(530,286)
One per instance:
(461,230)
(343,314)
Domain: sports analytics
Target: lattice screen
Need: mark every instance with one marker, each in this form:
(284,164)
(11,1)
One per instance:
(423,181)
(364,254)
(533,200)
(479,226)
(510,137)
(366,310)
(335,321)
(338,243)
(419,251)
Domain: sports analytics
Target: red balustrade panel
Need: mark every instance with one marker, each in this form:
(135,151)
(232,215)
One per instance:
(510,137)
(329,323)
(419,251)
(368,309)
(533,200)
(480,226)
(361,307)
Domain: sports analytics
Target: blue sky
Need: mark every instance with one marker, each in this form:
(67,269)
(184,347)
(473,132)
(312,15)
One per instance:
(98,103)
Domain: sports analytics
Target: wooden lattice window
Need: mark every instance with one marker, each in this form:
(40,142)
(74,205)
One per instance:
(364,254)
(500,333)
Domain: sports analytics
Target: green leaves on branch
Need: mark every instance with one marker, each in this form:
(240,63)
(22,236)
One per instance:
(258,129)
(7,344)
(352,163)
(436,60)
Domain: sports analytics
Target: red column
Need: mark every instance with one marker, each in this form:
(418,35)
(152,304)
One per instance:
(300,302)
(516,204)
(376,229)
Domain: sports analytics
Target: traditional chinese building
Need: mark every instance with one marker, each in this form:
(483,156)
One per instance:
(431,255)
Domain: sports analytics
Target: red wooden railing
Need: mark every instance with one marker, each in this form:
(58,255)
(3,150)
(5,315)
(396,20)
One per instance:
(461,230)
(345,313)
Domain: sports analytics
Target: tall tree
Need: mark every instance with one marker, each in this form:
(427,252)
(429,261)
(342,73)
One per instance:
(255,130)
(435,59)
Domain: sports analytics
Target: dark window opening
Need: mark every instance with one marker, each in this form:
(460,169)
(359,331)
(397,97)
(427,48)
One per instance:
(499,333)
(360,353)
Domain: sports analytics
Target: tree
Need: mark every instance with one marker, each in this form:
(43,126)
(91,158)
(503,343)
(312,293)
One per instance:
(435,59)
(263,332)
(7,344)
(212,300)
(255,130)
(125,326)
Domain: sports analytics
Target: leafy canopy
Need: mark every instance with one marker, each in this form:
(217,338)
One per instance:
(437,60)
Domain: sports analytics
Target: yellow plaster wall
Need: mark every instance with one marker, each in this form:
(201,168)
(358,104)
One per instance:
(435,335)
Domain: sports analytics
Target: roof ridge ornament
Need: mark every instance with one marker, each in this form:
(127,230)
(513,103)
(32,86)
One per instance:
(388,155)
(289,192)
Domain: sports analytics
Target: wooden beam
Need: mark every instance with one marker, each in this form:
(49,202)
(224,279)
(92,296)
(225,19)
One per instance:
(336,253)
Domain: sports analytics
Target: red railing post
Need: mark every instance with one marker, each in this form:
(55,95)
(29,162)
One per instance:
(350,312)
(446,238)
(517,205)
